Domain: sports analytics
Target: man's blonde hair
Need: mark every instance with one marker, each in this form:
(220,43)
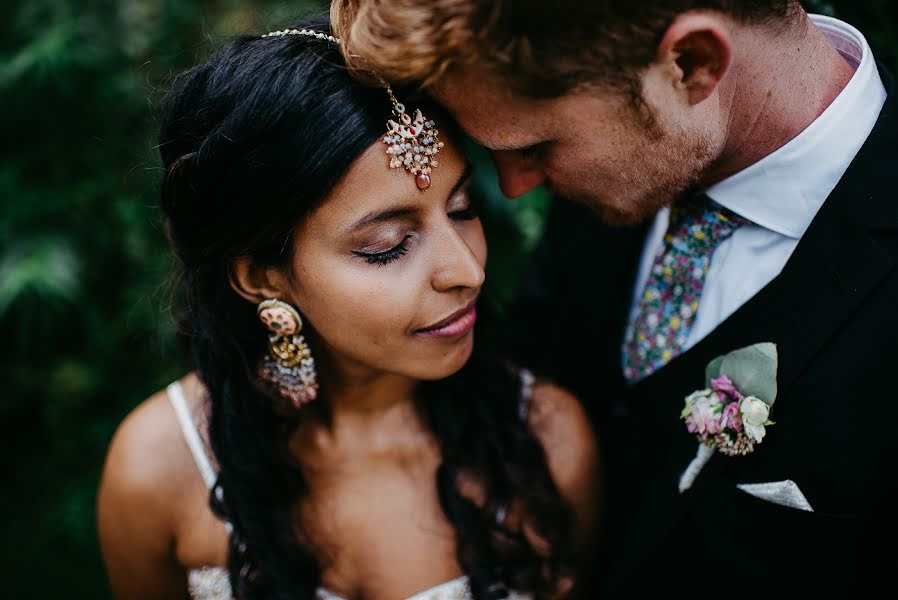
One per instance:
(541,49)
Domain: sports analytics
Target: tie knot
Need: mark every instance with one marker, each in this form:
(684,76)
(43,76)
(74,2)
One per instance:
(701,223)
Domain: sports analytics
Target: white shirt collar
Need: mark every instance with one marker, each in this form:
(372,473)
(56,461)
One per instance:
(784,190)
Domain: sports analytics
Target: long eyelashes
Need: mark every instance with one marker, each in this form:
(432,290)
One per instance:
(468,213)
(385,258)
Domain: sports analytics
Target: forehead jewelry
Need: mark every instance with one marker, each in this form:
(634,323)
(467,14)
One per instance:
(413,140)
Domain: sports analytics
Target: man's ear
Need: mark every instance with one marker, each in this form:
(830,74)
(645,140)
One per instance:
(699,48)
(256,282)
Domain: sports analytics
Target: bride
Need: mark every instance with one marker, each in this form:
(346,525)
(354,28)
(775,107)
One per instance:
(342,434)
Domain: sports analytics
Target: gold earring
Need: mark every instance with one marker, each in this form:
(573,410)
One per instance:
(289,365)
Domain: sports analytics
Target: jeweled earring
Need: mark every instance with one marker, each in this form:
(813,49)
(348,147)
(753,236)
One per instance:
(289,365)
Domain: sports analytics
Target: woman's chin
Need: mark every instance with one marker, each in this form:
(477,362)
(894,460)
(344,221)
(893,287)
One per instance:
(449,362)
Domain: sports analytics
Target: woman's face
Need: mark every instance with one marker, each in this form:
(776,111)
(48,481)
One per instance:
(387,275)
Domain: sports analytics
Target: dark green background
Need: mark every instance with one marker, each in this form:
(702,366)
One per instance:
(85,327)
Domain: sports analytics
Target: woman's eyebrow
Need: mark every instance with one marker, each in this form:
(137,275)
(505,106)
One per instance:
(379,217)
(404,211)
(463,179)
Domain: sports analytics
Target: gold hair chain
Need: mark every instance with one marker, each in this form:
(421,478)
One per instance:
(309,32)
(412,141)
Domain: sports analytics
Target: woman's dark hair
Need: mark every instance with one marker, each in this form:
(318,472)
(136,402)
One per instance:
(252,140)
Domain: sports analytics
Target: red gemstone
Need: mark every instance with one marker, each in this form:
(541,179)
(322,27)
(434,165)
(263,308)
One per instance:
(423,181)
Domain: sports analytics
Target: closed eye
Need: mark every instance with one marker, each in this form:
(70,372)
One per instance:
(387,256)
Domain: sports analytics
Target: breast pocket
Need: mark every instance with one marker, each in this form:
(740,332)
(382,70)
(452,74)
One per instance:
(777,544)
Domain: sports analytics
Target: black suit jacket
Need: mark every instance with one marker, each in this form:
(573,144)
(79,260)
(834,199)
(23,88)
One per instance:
(833,312)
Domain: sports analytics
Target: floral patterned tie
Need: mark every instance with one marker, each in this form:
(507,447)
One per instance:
(668,305)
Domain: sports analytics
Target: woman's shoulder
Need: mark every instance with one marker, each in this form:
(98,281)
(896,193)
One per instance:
(143,491)
(147,460)
(149,444)
(560,423)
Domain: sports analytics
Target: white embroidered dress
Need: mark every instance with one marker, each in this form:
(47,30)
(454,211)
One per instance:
(212,583)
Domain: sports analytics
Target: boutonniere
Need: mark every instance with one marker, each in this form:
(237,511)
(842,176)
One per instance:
(732,413)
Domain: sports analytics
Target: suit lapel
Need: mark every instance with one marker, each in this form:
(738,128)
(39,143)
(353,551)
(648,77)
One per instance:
(837,264)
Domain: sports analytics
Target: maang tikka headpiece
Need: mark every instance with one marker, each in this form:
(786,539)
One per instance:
(412,140)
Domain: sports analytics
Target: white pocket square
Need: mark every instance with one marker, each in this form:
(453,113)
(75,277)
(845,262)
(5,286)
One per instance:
(784,493)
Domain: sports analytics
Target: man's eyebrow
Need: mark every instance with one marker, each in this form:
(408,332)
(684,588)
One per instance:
(500,146)
(489,146)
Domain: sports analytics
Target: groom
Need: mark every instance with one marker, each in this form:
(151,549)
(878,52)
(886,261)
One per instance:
(751,151)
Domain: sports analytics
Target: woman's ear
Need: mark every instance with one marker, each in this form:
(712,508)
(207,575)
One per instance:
(256,282)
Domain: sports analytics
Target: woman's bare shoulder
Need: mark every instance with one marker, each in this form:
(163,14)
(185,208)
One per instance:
(147,452)
(145,477)
(147,466)
(558,419)
(562,426)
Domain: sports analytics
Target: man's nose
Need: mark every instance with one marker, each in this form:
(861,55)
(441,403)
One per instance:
(517,174)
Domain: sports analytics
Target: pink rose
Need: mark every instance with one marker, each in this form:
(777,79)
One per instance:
(731,417)
(705,417)
(724,385)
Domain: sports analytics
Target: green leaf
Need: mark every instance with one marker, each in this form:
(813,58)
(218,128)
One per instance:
(47,266)
(713,370)
(753,370)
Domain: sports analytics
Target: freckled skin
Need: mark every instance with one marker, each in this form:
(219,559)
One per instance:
(592,147)
(719,96)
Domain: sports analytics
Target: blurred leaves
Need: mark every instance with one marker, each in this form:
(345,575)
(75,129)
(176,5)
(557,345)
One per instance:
(84,322)
(46,270)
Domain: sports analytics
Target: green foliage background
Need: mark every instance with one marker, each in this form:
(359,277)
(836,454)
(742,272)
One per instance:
(85,331)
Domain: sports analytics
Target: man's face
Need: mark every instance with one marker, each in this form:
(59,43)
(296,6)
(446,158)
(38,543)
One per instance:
(591,146)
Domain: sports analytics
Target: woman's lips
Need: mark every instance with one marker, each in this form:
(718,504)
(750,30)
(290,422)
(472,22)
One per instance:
(455,325)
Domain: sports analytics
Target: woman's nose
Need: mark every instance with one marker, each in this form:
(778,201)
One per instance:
(457,264)
(517,174)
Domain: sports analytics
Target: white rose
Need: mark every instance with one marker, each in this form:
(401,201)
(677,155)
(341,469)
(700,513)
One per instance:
(754,415)
(755,432)
(754,410)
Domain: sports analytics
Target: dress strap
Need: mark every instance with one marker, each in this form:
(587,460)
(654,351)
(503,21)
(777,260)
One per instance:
(191,433)
(527,381)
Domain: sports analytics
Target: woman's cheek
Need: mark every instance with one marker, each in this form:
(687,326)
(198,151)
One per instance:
(374,302)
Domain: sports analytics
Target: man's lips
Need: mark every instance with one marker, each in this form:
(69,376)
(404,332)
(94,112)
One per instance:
(461,321)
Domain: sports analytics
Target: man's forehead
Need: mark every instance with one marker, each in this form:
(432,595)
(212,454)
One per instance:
(488,112)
